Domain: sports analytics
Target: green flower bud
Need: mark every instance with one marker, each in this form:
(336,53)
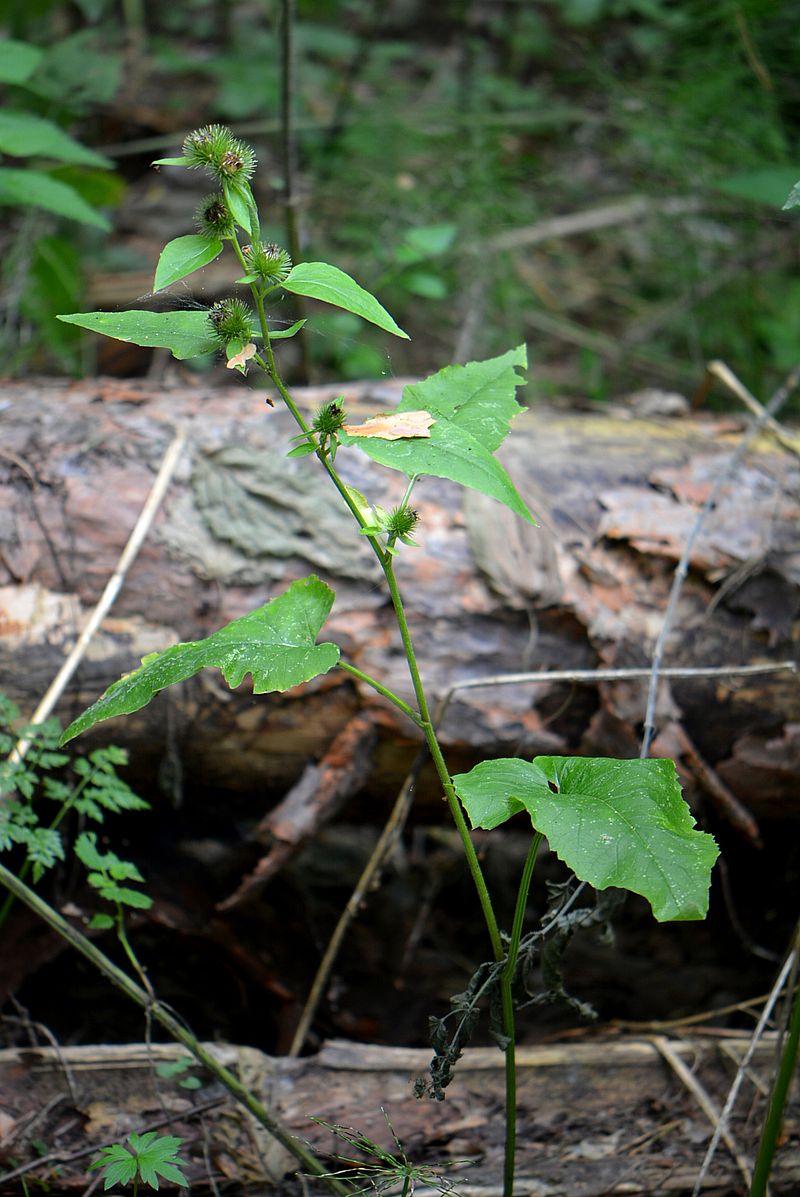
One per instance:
(219,151)
(329,419)
(401,522)
(232,320)
(270,262)
(213,218)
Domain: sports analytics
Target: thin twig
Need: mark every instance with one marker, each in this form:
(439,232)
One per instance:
(603,217)
(726,376)
(617,675)
(776,402)
(733,1092)
(703,1099)
(113,587)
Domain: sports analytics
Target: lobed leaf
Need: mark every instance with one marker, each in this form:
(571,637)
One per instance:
(183,256)
(319,280)
(614,822)
(275,644)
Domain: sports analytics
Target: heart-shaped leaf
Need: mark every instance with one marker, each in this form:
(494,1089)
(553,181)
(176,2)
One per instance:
(318,280)
(276,644)
(614,822)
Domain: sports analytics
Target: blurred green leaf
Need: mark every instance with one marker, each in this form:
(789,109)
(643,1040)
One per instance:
(766,186)
(18,60)
(39,190)
(26,136)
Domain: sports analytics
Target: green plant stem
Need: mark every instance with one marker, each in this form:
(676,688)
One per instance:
(509,1022)
(777,1102)
(133,990)
(441,768)
(297,416)
(424,721)
(384,690)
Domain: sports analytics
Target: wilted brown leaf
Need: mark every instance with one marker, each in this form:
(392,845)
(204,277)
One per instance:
(394,427)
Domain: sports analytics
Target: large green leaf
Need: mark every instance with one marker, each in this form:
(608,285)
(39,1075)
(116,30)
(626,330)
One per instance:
(27,136)
(615,823)
(18,60)
(276,644)
(472,406)
(479,397)
(318,280)
(186,334)
(33,188)
(183,256)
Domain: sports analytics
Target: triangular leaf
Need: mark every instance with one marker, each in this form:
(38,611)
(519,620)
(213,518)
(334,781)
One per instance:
(34,188)
(183,256)
(472,406)
(186,334)
(319,280)
(614,822)
(276,644)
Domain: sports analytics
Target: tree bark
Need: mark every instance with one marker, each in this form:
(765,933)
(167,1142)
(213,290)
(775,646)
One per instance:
(486,594)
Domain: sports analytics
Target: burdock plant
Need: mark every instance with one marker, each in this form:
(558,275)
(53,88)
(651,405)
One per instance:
(616,823)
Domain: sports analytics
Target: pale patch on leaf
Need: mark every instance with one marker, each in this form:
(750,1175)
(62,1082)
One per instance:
(394,427)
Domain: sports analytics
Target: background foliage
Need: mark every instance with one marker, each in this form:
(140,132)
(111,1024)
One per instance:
(432,141)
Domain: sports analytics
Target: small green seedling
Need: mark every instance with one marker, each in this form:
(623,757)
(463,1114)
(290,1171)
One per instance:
(151,1156)
(174,1070)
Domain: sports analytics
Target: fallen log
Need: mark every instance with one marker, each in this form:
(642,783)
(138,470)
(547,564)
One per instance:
(486,594)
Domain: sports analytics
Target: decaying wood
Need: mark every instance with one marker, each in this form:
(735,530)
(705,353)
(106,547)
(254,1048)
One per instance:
(597,1117)
(486,593)
(311,803)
